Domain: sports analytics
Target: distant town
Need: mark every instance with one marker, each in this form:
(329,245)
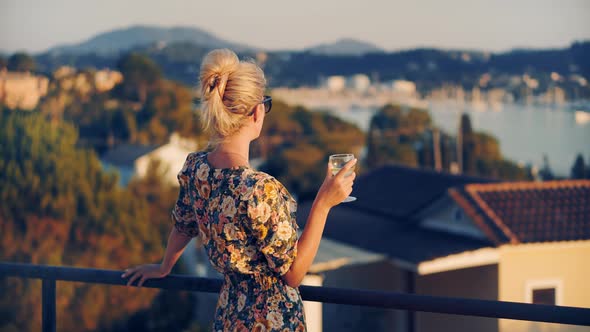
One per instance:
(359,91)
(23,90)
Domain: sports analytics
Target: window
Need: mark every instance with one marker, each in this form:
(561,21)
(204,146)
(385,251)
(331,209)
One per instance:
(544,292)
(458,214)
(544,296)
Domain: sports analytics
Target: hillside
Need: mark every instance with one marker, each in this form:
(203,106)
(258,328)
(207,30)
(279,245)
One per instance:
(120,40)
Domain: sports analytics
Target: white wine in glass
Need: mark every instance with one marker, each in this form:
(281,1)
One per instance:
(337,161)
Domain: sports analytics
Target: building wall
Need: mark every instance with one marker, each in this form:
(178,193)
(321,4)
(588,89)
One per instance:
(383,276)
(564,263)
(447,216)
(172,158)
(313,310)
(477,282)
(22,90)
(105,80)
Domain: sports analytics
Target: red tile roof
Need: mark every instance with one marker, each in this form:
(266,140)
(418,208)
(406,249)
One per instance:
(520,212)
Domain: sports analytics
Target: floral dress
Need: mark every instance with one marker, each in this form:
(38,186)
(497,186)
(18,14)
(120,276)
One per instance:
(246,222)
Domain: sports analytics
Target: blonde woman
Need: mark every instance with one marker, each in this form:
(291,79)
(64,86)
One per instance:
(244,218)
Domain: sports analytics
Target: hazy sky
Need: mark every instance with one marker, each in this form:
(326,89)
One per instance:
(495,25)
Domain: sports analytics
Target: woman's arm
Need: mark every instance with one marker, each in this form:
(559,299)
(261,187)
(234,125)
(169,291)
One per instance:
(176,244)
(332,192)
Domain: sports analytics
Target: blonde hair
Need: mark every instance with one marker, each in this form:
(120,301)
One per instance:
(230,89)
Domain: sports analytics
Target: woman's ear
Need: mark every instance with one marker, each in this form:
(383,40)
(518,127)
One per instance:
(258,113)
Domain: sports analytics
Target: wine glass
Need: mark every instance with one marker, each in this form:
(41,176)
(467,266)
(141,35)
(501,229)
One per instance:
(337,161)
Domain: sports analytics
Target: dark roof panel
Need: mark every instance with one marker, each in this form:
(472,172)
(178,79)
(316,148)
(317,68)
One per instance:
(399,191)
(383,235)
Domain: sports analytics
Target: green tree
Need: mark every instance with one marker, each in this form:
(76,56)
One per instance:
(579,168)
(502,169)
(490,163)
(3,62)
(105,119)
(468,145)
(123,125)
(300,168)
(168,109)
(485,146)
(141,76)
(296,143)
(159,195)
(482,156)
(406,136)
(60,208)
(546,173)
(403,154)
(395,134)
(20,62)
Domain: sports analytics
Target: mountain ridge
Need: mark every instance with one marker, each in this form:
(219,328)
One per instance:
(124,39)
(345,46)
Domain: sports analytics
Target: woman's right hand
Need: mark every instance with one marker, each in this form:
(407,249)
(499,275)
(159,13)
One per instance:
(337,187)
(143,273)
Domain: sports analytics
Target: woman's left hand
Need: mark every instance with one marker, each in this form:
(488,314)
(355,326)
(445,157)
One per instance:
(145,272)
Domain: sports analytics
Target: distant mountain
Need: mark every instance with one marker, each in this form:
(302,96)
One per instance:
(429,68)
(121,40)
(346,46)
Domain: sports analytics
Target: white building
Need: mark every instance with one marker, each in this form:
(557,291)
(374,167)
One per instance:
(102,80)
(359,83)
(22,90)
(335,83)
(134,160)
(105,80)
(171,156)
(403,87)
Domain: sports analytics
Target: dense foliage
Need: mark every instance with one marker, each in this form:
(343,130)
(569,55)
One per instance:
(143,109)
(580,170)
(60,208)
(406,136)
(296,143)
(21,62)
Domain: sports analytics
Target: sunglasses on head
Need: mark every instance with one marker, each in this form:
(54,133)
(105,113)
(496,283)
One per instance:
(267,101)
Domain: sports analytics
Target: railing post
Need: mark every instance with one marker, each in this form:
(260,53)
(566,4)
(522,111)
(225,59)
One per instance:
(411,289)
(48,305)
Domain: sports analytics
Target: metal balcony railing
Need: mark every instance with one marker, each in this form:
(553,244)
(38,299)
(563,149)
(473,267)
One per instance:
(380,299)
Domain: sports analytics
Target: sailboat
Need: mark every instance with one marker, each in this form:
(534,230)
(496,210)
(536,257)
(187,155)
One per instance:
(582,117)
(581,111)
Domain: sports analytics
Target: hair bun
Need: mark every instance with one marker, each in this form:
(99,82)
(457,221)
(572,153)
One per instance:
(213,83)
(216,71)
(230,88)
(222,83)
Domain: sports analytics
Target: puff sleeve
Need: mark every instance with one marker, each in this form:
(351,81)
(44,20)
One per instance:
(272,211)
(183,214)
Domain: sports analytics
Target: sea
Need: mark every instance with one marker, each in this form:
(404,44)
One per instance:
(526,133)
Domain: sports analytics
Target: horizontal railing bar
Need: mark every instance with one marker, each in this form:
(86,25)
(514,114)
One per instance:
(449,305)
(109,277)
(381,299)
